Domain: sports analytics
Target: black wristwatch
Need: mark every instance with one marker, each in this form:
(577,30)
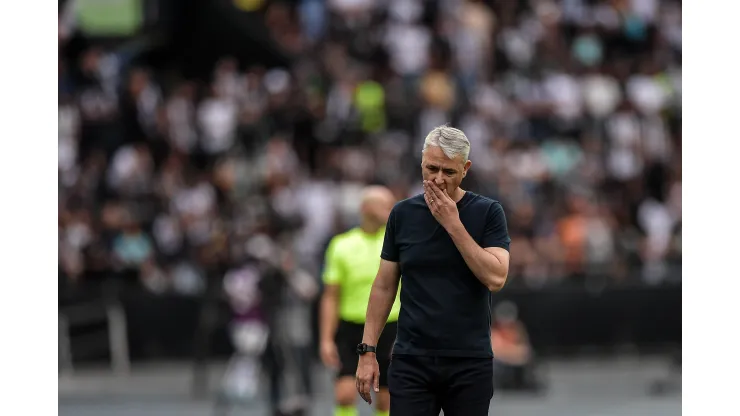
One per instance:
(364,348)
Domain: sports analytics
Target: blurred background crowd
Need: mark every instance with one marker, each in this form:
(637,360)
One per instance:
(180,170)
(573,109)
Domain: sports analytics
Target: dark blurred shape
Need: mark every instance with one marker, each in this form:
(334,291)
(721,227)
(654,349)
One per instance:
(669,385)
(514,358)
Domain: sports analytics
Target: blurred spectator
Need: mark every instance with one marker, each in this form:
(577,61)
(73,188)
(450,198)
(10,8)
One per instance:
(513,354)
(249,331)
(285,290)
(133,251)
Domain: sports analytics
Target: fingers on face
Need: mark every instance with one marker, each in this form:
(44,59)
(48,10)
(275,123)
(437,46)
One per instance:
(433,190)
(431,203)
(436,191)
(427,197)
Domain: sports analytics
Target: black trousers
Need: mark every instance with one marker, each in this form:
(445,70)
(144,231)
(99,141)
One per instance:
(422,386)
(349,334)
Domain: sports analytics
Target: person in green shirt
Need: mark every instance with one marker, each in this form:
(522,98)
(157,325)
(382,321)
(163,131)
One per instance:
(352,260)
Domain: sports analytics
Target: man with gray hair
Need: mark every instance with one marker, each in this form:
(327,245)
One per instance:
(451,247)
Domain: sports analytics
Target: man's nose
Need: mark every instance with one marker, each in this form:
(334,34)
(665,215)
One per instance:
(438,179)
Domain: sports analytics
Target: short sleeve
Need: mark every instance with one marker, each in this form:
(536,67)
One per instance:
(332,265)
(390,249)
(496,233)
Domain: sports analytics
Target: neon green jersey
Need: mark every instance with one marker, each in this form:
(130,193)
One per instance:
(352,261)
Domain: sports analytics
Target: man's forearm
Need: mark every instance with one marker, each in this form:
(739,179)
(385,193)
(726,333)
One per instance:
(378,309)
(484,265)
(328,318)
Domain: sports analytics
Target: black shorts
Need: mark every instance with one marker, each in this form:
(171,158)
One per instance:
(350,334)
(422,386)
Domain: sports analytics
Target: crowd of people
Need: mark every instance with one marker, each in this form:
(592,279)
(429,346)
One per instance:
(573,110)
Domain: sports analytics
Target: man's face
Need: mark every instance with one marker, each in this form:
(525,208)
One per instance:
(445,172)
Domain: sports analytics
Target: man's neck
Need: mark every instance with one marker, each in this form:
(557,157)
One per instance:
(459,194)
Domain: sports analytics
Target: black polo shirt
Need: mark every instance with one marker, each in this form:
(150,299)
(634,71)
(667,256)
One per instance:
(445,309)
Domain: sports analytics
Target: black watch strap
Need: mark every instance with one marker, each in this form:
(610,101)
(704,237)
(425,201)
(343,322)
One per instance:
(364,348)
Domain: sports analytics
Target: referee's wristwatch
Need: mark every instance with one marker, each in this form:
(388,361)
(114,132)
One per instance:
(363,349)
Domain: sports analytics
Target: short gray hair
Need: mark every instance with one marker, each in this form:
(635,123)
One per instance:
(452,141)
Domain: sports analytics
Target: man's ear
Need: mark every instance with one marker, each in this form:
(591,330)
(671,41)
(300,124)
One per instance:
(466,167)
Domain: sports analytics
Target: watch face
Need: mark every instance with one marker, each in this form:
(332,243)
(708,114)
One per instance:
(361,348)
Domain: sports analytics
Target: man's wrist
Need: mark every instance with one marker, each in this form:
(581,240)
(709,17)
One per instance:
(370,354)
(365,348)
(455,227)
